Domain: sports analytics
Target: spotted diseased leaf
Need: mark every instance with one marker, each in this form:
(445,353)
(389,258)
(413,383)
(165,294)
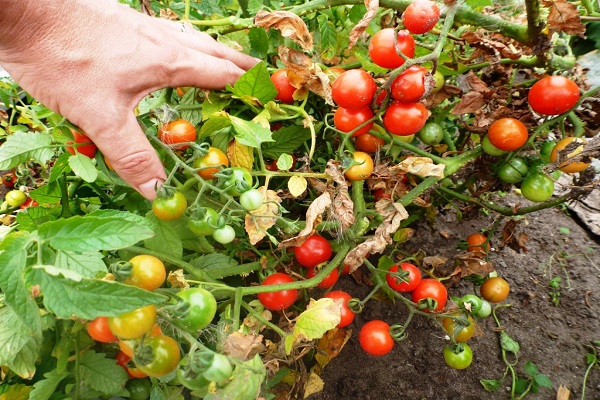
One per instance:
(257,222)
(331,344)
(289,24)
(564,17)
(243,346)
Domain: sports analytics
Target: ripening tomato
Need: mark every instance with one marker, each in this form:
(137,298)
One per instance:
(279,300)
(430,295)
(99,330)
(411,277)
(368,143)
(88,150)
(508,134)
(178,131)
(567,166)
(461,332)
(123,360)
(211,163)
(409,86)
(383,52)
(347,120)
(285,90)
(147,272)
(202,307)
(421,16)
(329,280)
(362,169)
(169,206)
(553,95)
(314,251)
(375,338)
(405,119)
(495,289)
(347,315)
(475,243)
(9,179)
(133,324)
(165,356)
(354,89)
(29,203)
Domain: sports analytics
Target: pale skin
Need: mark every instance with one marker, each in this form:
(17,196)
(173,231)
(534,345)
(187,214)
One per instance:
(92,61)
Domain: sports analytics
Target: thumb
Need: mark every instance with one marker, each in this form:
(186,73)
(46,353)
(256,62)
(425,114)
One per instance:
(132,156)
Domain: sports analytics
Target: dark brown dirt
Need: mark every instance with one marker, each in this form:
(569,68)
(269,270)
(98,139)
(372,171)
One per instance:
(552,337)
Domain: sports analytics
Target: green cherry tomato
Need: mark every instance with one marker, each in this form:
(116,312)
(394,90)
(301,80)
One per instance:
(201,311)
(470,302)
(252,199)
(460,358)
(490,149)
(485,310)
(219,370)
(238,181)
(190,379)
(439,79)
(15,198)
(139,389)
(204,221)
(169,208)
(431,134)
(546,151)
(224,235)
(165,356)
(537,187)
(513,171)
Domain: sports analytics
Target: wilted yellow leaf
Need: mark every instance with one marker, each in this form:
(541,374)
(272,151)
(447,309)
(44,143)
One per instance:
(177,279)
(297,185)
(314,385)
(240,155)
(319,317)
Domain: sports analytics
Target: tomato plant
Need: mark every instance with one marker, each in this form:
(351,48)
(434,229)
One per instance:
(421,16)
(329,280)
(139,389)
(354,89)
(124,361)
(490,149)
(346,120)
(178,131)
(384,48)
(537,187)
(484,311)
(279,300)
(405,119)
(219,369)
(199,308)
(495,289)
(314,251)
(459,358)
(411,278)
(471,302)
(409,86)
(430,295)
(285,90)
(147,272)
(79,146)
(133,324)
(347,315)
(381,194)
(553,95)
(209,164)
(164,357)
(368,143)
(508,134)
(568,166)
(169,205)
(362,167)
(189,378)
(99,330)
(375,338)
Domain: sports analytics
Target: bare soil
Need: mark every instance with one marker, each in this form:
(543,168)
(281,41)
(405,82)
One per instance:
(552,337)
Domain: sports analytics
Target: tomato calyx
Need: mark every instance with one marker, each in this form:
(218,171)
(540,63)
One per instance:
(356,305)
(121,269)
(427,304)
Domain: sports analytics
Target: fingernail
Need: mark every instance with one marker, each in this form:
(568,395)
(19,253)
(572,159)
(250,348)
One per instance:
(148,189)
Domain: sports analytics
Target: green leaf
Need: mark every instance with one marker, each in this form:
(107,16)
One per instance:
(490,385)
(213,262)
(245,383)
(89,233)
(531,369)
(286,140)
(193,115)
(217,122)
(85,265)
(33,217)
(385,263)
(329,35)
(101,373)
(259,41)
(13,261)
(255,84)
(83,167)
(543,381)
(47,194)
(508,343)
(250,133)
(479,3)
(45,388)
(254,6)
(285,162)
(137,219)
(60,167)
(521,386)
(15,392)
(165,239)
(20,349)
(564,231)
(189,240)
(21,147)
(319,317)
(91,298)
(213,104)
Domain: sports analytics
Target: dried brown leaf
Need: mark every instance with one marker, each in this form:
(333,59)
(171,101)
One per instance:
(470,264)
(303,72)
(258,221)
(331,344)
(435,263)
(469,103)
(289,24)
(314,213)
(359,29)
(177,279)
(515,241)
(343,207)
(563,393)
(496,48)
(564,17)
(243,346)
(420,166)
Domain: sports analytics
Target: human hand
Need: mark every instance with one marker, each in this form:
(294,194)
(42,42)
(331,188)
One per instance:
(93,61)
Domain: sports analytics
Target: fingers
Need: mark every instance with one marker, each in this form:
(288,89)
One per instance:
(132,156)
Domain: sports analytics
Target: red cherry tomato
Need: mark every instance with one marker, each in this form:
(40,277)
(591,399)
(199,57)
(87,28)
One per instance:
(99,330)
(495,289)
(553,95)
(88,150)
(123,360)
(178,131)
(329,280)
(285,90)
(475,243)
(354,89)
(381,194)
(413,278)
(508,134)
(278,300)
(409,86)
(29,203)
(347,315)
(383,52)
(9,179)
(347,120)
(405,119)
(421,16)
(375,338)
(368,143)
(314,251)
(430,289)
